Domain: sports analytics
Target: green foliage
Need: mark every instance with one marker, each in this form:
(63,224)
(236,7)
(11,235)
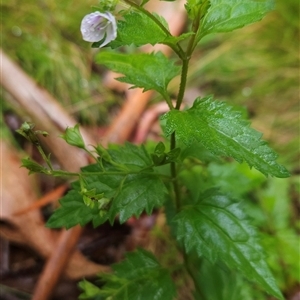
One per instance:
(197,189)
(132,156)
(33,167)
(227,15)
(152,29)
(126,183)
(222,131)
(139,276)
(132,201)
(279,234)
(147,32)
(216,228)
(140,70)
(73,211)
(230,285)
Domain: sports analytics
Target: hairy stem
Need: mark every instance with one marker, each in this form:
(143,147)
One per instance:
(184,71)
(45,158)
(185,62)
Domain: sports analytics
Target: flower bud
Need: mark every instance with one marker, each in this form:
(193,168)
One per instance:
(73,137)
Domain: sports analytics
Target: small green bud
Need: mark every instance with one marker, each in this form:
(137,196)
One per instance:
(103,203)
(105,6)
(73,137)
(197,8)
(27,131)
(90,196)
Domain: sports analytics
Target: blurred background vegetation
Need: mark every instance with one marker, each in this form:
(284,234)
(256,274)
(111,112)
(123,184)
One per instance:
(256,68)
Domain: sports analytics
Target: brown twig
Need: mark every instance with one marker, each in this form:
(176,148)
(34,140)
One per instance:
(52,196)
(56,263)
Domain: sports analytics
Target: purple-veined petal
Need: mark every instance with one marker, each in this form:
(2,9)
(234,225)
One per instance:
(96,26)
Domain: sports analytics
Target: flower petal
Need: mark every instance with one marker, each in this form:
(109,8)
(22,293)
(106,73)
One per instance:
(96,26)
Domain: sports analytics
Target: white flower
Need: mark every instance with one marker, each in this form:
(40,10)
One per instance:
(95,26)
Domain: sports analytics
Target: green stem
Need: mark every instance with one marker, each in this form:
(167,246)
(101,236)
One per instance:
(65,173)
(45,158)
(185,62)
(184,71)
(195,28)
(90,153)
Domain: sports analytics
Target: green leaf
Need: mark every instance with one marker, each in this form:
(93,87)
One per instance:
(141,69)
(276,203)
(139,276)
(216,228)
(132,156)
(34,167)
(125,186)
(73,211)
(230,284)
(131,194)
(139,192)
(160,148)
(223,132)
(90,291)
(138,29)
(227,15)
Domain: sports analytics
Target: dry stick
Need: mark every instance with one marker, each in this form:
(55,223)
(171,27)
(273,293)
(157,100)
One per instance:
(52,196)
(56,264)
(49,116)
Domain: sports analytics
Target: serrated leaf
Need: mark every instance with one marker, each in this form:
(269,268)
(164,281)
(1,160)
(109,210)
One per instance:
(130,155)
(138,277)
(227,15)
(110,190)
(223,132)
(139,192)
(140,70)
(73,211)
(135,264)
(138,29)
(131,194)
(216,228)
